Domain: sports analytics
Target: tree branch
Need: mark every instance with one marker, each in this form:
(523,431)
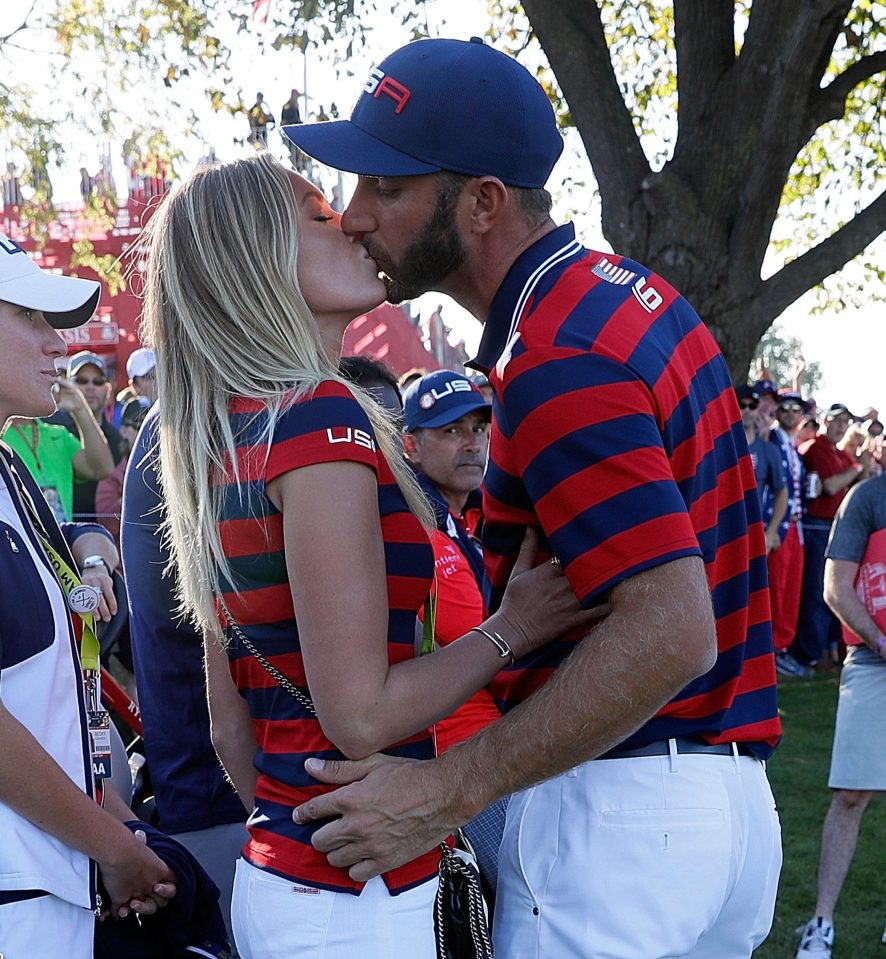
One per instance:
(571,34)
(830,103)
(808,270)
(704,38)
(22,26)
(786,48)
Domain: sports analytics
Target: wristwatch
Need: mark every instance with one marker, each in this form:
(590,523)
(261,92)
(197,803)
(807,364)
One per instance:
(91,562)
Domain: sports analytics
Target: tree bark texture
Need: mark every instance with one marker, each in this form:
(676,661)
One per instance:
(705,219)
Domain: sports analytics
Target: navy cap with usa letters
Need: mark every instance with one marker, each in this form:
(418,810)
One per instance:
(439,104)
(441,398)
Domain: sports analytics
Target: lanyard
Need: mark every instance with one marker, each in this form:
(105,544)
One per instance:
(69,581)
(34,444)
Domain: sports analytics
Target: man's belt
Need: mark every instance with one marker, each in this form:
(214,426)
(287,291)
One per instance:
(683,745)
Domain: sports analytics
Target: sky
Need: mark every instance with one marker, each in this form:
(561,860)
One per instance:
(849,345)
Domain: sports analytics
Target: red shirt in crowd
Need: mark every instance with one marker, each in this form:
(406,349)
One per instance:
(821,456)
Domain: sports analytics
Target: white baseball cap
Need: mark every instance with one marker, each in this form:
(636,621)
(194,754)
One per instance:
(140,362)
(65,301)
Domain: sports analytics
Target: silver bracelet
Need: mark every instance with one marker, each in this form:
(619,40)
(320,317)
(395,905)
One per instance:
(504,651)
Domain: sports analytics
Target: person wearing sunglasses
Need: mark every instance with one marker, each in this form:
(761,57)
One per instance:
(67,449)
(767,467)
(89,374)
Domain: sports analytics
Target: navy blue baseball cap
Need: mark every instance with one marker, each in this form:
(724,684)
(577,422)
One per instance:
(439,399)
(437,105)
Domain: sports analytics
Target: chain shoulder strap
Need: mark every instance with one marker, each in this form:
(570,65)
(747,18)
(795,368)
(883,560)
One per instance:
(298,694)
(453,868)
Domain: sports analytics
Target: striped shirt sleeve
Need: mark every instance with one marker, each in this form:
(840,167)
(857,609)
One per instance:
(330,426)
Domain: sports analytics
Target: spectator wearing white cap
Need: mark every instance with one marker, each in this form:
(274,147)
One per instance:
(71,449)
(89,374)
(140,368)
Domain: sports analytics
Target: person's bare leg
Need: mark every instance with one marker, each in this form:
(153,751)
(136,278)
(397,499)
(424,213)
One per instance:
(839,837)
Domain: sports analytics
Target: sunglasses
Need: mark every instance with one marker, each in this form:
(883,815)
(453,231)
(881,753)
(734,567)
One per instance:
(747,405)
(791,408)
(86,380)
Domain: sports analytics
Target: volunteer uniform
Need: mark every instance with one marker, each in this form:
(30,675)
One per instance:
(47,889)
(859,536)
(615,430)
(288,900)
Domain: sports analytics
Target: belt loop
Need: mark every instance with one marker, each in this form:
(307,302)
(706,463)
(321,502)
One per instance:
(735,758)
(672,753)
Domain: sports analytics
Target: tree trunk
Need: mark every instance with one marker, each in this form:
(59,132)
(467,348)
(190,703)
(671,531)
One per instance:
(704,221)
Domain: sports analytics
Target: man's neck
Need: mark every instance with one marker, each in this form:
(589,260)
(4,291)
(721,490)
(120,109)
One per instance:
(474,284)
(751,434)
(454,500)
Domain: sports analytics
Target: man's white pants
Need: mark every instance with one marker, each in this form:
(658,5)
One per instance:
(640,858)
(45,928)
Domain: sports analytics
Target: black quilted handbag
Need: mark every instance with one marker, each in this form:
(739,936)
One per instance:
(460,924)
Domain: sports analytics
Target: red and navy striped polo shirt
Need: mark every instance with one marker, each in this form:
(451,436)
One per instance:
(329,426)
(616,431)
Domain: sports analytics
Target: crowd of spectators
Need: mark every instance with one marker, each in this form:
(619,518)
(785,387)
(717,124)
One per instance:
(806,460)
(78,454)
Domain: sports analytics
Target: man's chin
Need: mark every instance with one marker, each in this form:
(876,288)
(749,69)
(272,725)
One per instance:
(393,293)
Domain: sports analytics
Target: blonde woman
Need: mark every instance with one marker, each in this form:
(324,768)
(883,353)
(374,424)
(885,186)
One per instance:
(295,524)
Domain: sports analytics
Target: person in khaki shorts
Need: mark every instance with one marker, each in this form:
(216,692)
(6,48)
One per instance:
(855,589)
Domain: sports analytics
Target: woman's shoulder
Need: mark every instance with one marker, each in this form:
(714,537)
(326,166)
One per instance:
(325,425)
(330,404)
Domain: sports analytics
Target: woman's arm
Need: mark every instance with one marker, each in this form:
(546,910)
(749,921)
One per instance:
(336,564)
(37,788)
(230,724)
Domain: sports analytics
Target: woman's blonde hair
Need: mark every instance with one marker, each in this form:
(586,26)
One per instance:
(225,314)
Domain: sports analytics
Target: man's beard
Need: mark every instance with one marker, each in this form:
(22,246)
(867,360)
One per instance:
(435,252)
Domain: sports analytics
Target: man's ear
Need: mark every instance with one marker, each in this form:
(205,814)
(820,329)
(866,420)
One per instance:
(411,448)
(489,198)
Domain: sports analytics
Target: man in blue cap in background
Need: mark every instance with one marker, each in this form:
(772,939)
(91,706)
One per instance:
(642,824)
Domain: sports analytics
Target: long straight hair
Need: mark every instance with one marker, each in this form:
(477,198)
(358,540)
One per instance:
(226,317)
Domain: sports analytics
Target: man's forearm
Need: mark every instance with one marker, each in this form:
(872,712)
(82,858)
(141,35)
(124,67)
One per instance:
(630,666)
(95,460)
(839,481)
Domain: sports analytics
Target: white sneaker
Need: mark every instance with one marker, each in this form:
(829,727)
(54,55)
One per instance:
(817,940)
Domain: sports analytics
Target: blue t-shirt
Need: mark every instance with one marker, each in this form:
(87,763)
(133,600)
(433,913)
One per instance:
(190,789)
(769,472)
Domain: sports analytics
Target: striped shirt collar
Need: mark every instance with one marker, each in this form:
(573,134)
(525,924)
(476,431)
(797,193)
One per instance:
(552,251)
